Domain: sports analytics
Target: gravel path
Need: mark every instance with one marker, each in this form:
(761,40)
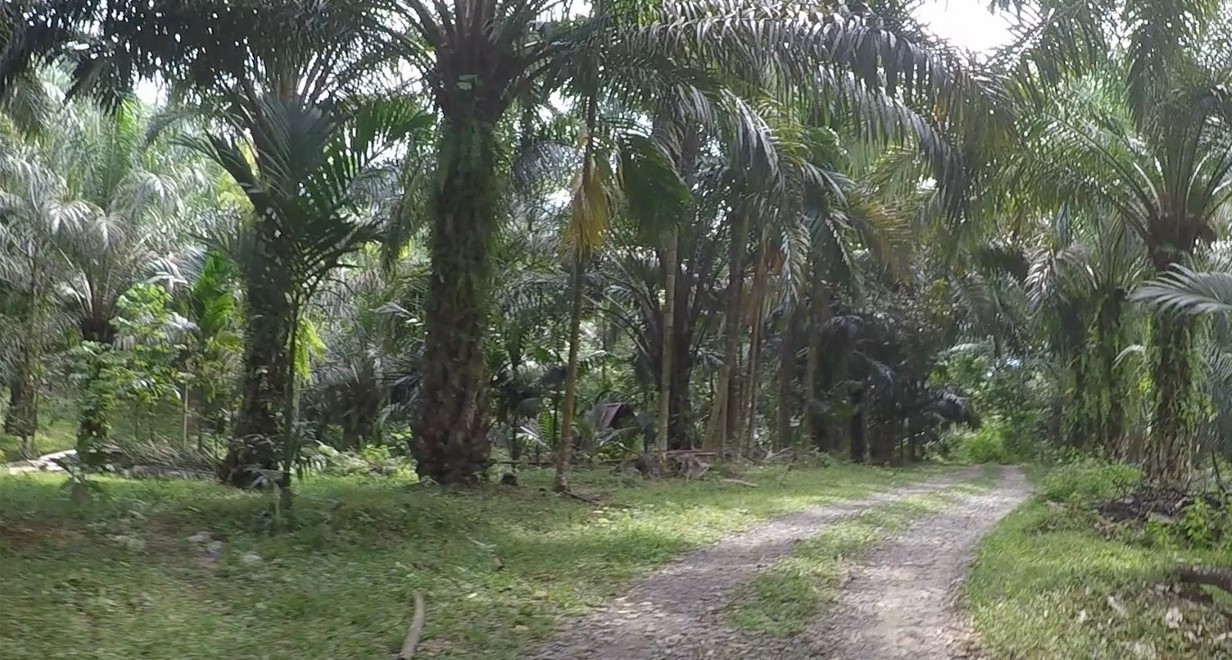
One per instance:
(44,463)
(674,612)
(900,602)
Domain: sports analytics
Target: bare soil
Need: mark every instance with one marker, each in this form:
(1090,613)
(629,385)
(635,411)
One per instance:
(899,604)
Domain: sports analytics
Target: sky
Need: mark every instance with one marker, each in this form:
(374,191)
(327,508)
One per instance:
(966,23)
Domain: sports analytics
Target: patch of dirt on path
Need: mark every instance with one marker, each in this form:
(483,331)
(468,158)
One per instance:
(674,612)
(901,600)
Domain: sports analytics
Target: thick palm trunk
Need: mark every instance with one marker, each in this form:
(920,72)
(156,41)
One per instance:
(94,425)
(267,364)
(450,440)
(858,446)
(1107,346)
(564,447)
(1169,453)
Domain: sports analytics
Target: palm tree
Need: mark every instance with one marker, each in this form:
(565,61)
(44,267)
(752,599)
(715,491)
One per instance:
(1154,148)
(36,206)
(478,59)
(96,213)
(312,175)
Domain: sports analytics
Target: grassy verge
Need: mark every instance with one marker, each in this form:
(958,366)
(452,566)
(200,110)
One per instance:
(1046,585)
(119,578)
(791,595)
(52,437)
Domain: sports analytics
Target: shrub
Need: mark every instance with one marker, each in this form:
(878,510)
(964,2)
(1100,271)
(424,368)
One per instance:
(372,459)
(985,445)
(1089,481)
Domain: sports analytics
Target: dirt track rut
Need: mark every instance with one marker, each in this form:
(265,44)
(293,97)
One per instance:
(898,604)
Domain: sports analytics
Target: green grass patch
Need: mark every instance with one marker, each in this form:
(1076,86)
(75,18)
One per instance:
(1046,585)
(118,577)
(791,595)
(51,437)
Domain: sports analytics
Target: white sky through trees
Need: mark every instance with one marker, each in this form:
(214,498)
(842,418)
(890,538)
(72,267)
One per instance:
(965,23)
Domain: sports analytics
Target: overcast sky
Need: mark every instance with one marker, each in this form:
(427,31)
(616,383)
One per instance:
(966,23)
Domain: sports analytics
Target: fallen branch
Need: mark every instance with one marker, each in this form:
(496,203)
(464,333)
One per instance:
(580,498)
(1210,577)
(740,482)
(412,635)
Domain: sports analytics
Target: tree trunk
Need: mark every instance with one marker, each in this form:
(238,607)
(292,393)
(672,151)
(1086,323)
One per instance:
(267,362)
(723,426)
(94,427)
(858,447)
(819,310)
(753,382)
(450,440)
(21,419)
(670,260)
(783,436)
(1169,454)
(564,446)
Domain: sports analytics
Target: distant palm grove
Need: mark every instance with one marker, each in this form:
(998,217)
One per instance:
(491,233)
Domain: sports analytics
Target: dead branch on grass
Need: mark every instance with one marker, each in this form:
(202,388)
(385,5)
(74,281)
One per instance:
(416,630)
(1211,577)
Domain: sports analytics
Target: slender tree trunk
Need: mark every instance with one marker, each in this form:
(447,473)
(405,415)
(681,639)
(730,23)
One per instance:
(752,380)
(670,260)
(819,310)
(783,436)
(719,437)
(450,441)
(21,419)
(267,363)
(564,447)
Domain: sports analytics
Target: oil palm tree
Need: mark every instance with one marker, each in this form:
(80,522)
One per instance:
(478,59)
(96,212)
(312,178)
(1162,165)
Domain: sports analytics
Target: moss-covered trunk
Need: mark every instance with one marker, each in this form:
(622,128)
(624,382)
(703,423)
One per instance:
(1169,452)
(450,440)
(267,362)
(94,422)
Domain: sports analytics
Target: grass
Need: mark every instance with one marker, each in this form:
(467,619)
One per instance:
(117,577)
(794,593)
(1046,585)
(52,437)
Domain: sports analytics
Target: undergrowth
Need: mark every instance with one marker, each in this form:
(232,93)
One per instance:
(1058,580)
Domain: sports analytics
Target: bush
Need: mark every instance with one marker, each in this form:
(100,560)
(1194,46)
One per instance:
(1089,481)
(372,459)
(985,445)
